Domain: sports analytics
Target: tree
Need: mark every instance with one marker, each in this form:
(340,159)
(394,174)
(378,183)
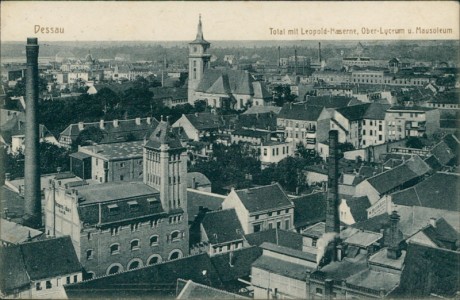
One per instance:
(89,136)
(414,142)
(282,94)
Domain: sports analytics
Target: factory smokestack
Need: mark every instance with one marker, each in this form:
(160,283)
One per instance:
(319,52)
(32,195)
(279,56)
(332,205)
(295,60)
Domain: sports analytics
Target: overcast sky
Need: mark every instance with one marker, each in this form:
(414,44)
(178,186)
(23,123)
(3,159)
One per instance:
(168,21)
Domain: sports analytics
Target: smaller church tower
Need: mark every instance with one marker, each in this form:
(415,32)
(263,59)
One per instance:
(198,61)
(165,167)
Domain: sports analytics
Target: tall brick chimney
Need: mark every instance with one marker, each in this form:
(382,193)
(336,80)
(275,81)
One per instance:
(332,205)
(32,195)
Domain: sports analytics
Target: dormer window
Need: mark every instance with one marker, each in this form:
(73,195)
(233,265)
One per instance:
(195,49)
(133,205)
(113,208)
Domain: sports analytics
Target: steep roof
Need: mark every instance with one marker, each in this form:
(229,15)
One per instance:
(37,261)
(376,111)
(163,135)
(354,112)
(207,121)
(260,90)
(438,191)
(358,207)
(388,180)
(443,234)
(309,209)
(222,226)
(269,197)
(220,86)
(265,121)
(197,199)
(300,112)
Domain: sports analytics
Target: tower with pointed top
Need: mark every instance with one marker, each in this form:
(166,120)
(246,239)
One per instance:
(165,167)
(198,61)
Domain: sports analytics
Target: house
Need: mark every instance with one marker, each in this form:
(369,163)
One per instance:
(281,272)
(404,122)
(299,122)
(447,100)
(272,152)
(261,208)
(221,231)
(438,234)
(199,126)
(12,133)
(39,269)
(398,178)
(328,101)
(198,181)
(170,97)
(111,131)
(353,209)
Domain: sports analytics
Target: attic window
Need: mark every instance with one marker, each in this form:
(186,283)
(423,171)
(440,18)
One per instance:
(133,205)
(113,208)
(152,201)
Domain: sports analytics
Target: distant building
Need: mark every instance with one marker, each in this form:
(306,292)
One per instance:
(272,152)
(405,122)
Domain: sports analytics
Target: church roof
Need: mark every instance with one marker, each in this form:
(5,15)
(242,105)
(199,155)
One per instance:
(231,81)
(199,35)
(220,86)
(163,134)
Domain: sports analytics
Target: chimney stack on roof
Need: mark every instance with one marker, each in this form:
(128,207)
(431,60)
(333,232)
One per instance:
(32,198)
(394,236)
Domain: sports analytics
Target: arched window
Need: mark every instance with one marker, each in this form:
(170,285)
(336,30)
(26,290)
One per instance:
(175,236)
(134,264)
(134,244)
(115,268)
(154,240)
(154,259)
(115,249)
(175,254)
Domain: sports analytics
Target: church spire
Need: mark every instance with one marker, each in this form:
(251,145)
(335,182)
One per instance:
(199,33)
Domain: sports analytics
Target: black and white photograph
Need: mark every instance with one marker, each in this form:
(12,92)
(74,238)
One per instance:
(229,150)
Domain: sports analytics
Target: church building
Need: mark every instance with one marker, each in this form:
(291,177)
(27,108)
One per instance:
(121,226)
(231,89)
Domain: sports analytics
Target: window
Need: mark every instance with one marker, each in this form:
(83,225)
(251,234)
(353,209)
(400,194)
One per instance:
(113,209)
(270,214)
(115,249)
(319,291)
(114,270)
(313,243)
(122,165)
(133,205)
(75,278)
(67,280)
(287,211)
(48,284)
(256,217)
(135,245)
(122,177)
(38,286)
(134,227)
(278,224)
(154,240)
(89,254)
(270,225)
(175,236)
(286,224)
(89,235)
(154,260)
(257,228)
(380,137)
(134,265)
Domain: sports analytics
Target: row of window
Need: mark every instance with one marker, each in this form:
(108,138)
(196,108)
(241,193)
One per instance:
(270,214)
(49,283)
(271,225)
(276,152)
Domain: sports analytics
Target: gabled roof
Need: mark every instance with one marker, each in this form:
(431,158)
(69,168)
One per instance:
(301,112)
(358,207)
(265,198)
(388,180)
(438,191)
(265,121)
(222,226)
(442,234)
(163,135)
(376,111)
(207,121)
(36,261)
(354,112)
(158,280)
(197,199)
(309,209)
(446,151)
(245,86)
(260,91)
(220,86)
(231,82)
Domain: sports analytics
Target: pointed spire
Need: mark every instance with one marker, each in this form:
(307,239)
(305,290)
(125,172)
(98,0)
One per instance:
(199,33)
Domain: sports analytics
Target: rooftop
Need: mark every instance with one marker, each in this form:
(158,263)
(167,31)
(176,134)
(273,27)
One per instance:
(309,209)
(363,238)
(281,267)
(289,251)
(115,151)
(14,233)
(197,199)
(276,236)
(193,290)
(222,226)
(265,198)
(302,112)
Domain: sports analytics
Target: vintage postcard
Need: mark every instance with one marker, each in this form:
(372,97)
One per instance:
(227,150)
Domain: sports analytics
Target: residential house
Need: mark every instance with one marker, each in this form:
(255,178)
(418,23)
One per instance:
(200,126)
(261,208)
(221,231)
(445,101)
(405,122)
(170,97)
(112,131)
(408,174)
(39,269)
(353,209)
(299,122)
(109,162)
(272,152)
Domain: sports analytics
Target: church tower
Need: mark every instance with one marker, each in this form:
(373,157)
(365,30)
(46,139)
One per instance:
(165,168)
(198,61)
